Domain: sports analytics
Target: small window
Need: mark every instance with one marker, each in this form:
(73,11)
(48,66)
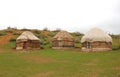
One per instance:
(88,45)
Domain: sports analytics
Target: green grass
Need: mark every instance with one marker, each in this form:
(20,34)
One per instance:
(116,42)
(58,63)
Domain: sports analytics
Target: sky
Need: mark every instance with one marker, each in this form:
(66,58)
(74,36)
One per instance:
(70,15)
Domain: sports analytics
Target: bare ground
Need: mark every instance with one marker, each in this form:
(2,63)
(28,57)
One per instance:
(4,39)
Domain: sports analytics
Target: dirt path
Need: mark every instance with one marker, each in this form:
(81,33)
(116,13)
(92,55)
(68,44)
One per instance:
(4,39)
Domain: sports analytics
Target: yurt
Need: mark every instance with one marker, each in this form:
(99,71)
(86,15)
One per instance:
(27,40)
(62,40)
(96,40)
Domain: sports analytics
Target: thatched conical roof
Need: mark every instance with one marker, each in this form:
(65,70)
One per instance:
(62,35)
(27,35)
(96,34)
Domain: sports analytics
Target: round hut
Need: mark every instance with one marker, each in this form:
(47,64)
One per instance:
(63,40)
(27,40)
(96,40)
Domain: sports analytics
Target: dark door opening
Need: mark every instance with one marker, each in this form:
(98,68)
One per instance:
(88,45)
(24,45)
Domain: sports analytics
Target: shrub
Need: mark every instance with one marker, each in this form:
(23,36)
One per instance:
(36,31)
(42,47)
(77,34)
(12,40)
(24,29)
(16,33)
(2,33)
(37,35)
(77,41)
(51,34)
(45,43)
(116,47)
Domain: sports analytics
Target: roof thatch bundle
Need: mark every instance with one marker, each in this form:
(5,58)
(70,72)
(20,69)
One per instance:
(27,40)
(96,40)
(63,40)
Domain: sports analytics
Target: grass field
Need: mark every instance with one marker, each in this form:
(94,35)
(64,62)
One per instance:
(58,63)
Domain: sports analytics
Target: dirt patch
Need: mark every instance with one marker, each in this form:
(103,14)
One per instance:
(117,68)
(39,59)
(43,74)
(4,39)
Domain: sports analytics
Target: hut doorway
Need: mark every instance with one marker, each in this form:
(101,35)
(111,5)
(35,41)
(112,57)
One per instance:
(88,44)
(60,43)
(25,45)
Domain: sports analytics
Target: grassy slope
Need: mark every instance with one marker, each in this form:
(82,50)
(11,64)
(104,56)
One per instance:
(58,63)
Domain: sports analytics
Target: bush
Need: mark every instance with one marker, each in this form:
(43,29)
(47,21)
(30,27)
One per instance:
(45,43)
(16,33)
(12,40)
(42,47)
(77,41)
(36,32)
(77,34)
(2,33)
(24,29)
(51,34)
(37,35)
(116,47)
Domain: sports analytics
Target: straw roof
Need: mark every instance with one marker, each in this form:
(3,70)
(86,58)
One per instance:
(63,35)
(96,34)
(27,35)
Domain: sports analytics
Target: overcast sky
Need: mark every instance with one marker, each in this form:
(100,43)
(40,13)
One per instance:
(70,15)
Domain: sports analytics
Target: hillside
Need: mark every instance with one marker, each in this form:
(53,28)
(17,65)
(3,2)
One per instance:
(10,35)
(44,35)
